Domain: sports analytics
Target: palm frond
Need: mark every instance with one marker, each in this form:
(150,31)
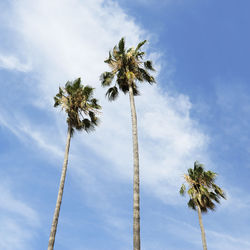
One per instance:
(146,76)
(106,78)
(135,90)
(57,101)
(109,60)
(183,190)
(76,84)
(121,45)
(149,65)
(87,92)
(191,204)
(140,45)
(112,93)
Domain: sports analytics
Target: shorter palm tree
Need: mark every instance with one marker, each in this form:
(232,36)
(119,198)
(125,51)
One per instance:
(203,192)
(81,108)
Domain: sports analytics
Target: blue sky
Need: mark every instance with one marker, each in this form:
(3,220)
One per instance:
(199,110)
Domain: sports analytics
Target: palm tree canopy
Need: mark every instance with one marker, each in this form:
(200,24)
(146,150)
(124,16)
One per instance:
(78,102)
(203,192)
(128,66)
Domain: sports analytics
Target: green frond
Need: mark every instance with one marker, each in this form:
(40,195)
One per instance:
(94,104)
(76,84)
(191,204)
(68,87)
(129,50)
(183,190)
(146,76)
(106,78)
(123,84)
(93,118)
(149,65)
(87,92)
(60,93)
(140,45)
(109,60)
(191,192)
(112,93)
(135,90)
(140,55)
(87,125)
(121,45)
(116,53)
(57,101)
(204,209)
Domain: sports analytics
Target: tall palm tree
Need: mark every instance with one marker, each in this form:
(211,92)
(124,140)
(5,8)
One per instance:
(128,67)
(81,108)
(203,192)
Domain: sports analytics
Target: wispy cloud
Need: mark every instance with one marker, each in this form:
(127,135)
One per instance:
(11,62)
(18,220)
(168,136)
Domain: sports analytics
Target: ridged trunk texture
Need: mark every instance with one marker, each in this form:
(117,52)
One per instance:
(60,194)
(204,243)
(136,185)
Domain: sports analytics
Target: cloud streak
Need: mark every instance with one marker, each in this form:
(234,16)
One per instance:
(18,220)
(74,41)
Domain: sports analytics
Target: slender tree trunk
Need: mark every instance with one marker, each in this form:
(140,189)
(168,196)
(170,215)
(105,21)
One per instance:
(60,194)
(136,186)
(204,243)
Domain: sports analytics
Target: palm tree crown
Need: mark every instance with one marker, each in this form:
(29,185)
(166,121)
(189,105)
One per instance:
(202,190)
(128,66)
(79,104)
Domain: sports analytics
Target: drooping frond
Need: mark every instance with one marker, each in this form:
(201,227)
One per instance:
(106,78)
(78,102)
(183,189)
(112,93)
(191,204)
(149,65)
(87,92)
(144,75)
(202,190)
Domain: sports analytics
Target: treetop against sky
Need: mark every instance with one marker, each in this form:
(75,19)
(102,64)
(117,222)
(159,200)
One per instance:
(198,110)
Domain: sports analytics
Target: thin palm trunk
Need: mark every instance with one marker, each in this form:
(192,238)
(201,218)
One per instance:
(60,194)
(204,243)
(136,185)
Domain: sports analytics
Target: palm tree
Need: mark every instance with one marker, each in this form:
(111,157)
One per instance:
(203,192)
(81,108)
(128,67)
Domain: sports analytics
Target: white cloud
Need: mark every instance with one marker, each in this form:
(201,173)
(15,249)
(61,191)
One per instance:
(74,40)
(11,204)
(11,62)
(18,220)
(28,132)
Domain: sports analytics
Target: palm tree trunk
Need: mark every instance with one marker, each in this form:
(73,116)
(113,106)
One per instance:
(60,194)
(136,186)
(204,243)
